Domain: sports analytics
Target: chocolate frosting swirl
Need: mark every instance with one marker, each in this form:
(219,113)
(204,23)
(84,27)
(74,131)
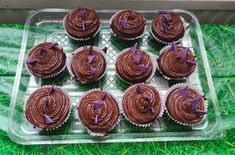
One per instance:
(57,108)
(173,66)
(73,23)
(108,114)
(135,24)
(180,109)
(82,69)
(175,25)
(49,59)
(137,108)
(129,70)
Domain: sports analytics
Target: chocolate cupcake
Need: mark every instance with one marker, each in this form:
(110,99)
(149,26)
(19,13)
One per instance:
(46,60)
(128,25)
(167,27)
(98,111)
(134,65)
(176,62)
(48,107)
(185,104)
(82,24)
(87,64)
(142,105)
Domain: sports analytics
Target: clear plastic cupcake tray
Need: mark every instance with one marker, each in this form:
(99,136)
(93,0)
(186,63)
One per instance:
(47,25)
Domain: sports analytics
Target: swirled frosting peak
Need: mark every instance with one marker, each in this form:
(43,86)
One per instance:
(176,62)
(82,23)
(186,105)
(168,26)
(128,24)
(141,104)
(46,59)
(45,110)
(98,111)
(88,64)
(134,65)
(148,98)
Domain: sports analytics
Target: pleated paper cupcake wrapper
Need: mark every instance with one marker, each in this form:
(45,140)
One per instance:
(66,119)
(69,65)
(48,76)
(93,133)
(127,39)
(157,66)
(80,39)
(180,85)
(150,77)
(176,41)
(159,115)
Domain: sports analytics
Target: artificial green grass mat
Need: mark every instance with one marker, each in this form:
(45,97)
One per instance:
(153,148)
(220,45)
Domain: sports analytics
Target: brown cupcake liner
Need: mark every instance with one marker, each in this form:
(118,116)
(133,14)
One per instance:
(70,108)
(93,133)
(151,76)
(126,39)
(159,116)
(79,50)
(166,77)
(168,43)
(48,76)
(80,39)
(192,87)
